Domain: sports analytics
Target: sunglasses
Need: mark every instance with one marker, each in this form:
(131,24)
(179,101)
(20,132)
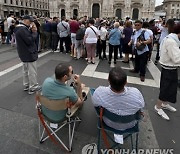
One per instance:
(137,24)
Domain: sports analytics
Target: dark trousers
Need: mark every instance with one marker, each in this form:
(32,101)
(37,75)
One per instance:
(67,44)
(121,48)
(157,54)
(8,39)
(47,40)
(37,41)
(113,48)
(54,41)
(101,46)
(141,62)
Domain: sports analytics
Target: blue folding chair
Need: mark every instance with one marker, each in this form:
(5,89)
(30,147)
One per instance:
(102,127)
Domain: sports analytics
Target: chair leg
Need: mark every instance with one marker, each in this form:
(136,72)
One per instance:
(99,140)
(132,145)
(137,139)
(69,124)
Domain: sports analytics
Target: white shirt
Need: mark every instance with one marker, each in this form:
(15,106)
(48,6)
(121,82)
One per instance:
(103,33)
(9,21)
(90,35)
(170,52)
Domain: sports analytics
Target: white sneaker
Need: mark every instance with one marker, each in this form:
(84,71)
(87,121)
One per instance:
(161,113)
(168,107)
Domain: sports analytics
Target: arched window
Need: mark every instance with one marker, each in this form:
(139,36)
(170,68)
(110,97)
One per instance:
(135,14)
(22,12)
(75,12)
(26,12)
(62,12)
(95,10)
(118,13)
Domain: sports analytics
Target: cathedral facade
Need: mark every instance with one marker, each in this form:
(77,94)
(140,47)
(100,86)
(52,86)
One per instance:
(135,9)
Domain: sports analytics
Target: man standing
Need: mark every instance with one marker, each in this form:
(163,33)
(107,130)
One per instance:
(25,37)
(63,30)
(141,55)
(9,23)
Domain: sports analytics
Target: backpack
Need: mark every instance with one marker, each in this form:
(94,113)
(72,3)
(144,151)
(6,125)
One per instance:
(141,38)
(80,34)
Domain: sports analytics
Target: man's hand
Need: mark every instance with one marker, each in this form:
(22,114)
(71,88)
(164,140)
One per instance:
(138,44)
(76,79)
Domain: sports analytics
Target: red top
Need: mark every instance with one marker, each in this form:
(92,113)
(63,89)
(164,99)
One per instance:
(74,26)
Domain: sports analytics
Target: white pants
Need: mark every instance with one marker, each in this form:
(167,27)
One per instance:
(30,74)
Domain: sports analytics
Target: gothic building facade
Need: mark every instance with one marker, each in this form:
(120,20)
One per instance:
(172,8)
(135,9)
(22,7)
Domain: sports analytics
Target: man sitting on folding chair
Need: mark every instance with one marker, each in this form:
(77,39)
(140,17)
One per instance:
(56,91)
(118,99)
(57,88)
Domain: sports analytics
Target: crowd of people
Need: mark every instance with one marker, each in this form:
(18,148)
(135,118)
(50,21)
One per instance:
(88,38)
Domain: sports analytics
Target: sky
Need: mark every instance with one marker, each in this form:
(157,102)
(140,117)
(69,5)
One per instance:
(159,2)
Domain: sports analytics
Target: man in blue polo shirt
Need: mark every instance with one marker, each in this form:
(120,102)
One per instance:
(141,56)
(58,89)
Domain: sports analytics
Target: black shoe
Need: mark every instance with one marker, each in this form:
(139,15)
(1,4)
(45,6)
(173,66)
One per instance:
(142,78)
(125,61)
(156,62)
(114,62)
(109,62)
(133,71)
(132,58)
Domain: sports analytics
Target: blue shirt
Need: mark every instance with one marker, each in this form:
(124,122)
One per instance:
(115,36)
(55,90)
(136,35)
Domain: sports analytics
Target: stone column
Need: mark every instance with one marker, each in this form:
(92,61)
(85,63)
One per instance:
(68,9)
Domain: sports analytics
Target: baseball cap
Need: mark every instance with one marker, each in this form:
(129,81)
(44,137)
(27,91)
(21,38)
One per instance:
(29,18)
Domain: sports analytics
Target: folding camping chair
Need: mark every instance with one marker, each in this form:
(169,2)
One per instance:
(69,119)
(102,127)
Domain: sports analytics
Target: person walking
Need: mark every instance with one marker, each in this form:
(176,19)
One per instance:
(25,38)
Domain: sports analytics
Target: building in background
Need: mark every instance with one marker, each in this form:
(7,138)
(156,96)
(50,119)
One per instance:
(22,7)
(135,9)
(159,12)
(172,8)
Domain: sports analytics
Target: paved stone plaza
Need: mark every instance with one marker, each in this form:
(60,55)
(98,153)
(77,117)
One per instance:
(18,116)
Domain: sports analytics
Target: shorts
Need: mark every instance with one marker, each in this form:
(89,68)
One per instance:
(73,38)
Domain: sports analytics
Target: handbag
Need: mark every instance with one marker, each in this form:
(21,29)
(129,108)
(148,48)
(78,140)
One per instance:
(141,38)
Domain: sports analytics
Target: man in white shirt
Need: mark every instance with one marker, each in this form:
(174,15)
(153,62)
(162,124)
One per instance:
(118,99)
(9,23)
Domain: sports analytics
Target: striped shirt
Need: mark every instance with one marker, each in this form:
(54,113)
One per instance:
(126,103)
